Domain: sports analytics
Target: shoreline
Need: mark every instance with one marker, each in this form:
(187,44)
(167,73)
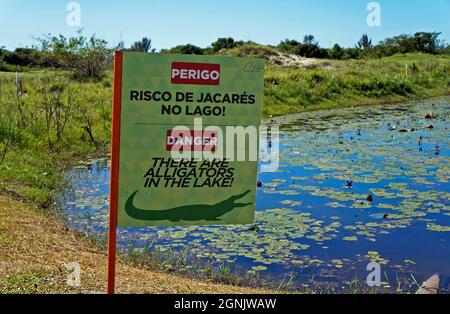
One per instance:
(376,102)
(362,106)
(430,100)
(66,160)
(37,248)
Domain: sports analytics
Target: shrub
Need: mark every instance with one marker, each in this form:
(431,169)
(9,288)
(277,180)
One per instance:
(224,43)
(143,45)
(336,52)
(85,57)
(187,49)
(308,49)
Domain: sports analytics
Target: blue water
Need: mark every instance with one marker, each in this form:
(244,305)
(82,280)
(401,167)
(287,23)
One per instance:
(309,222)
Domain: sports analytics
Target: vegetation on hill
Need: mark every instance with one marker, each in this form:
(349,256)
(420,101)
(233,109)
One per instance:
(90,56)
(337,83)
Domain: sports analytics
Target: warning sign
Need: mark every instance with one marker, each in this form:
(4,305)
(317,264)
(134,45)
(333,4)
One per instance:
(185,139)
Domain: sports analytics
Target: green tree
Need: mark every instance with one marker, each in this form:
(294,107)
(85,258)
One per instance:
(365,42)
(426,42)
(22,57)
(223,43)
(444,49)
(309,48)
(336,52)
(288,45)
(187,49)
(85,57)
(143,45)
(310,40)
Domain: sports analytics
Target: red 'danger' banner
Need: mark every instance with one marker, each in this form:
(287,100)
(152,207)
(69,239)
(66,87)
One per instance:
(195,73)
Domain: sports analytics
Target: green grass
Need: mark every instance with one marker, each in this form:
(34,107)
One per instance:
(38,150)
(186,264)
(327,84)
(33,281)
(337,84)
(408,57)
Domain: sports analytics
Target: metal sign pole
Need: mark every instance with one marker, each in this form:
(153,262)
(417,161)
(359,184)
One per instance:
(115,148)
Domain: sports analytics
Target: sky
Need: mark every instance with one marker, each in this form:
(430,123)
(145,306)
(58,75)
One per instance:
(200,22)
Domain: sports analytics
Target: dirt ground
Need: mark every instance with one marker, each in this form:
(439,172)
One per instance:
(34,248)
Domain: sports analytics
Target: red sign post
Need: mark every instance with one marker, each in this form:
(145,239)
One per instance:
(115,145)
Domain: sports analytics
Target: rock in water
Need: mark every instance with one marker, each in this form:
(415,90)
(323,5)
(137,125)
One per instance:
(430,286)
(253,228)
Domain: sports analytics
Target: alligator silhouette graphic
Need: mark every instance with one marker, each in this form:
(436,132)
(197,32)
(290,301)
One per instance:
(188,212)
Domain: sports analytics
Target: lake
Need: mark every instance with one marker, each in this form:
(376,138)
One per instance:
(357,185)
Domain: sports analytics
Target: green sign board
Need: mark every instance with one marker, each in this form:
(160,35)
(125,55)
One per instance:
(172,105)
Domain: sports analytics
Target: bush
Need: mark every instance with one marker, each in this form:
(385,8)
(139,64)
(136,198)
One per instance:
(143,45)
(85,57)
(224,43)
(426,42)
(4,67)
(309,49)
(186,49)
(336,52)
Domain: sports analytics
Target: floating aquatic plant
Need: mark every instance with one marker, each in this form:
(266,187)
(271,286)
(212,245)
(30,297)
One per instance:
(323,184)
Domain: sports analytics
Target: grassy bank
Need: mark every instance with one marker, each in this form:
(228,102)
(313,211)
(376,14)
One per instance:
(34,248)
(55,120)
(338,84)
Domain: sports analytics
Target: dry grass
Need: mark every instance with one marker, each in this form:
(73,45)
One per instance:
(34,248)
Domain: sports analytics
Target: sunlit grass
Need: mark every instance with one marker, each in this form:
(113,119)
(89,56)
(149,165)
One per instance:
(35,248)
